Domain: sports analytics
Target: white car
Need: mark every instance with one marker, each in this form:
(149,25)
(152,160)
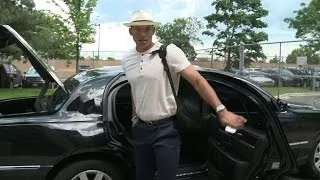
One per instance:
(260,79)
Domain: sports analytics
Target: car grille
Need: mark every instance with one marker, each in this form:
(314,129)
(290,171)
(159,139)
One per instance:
(34,79)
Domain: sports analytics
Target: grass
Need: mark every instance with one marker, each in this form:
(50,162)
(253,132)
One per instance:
(283,90)
(6,93)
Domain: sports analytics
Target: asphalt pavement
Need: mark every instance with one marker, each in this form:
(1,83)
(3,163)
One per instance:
(311,99)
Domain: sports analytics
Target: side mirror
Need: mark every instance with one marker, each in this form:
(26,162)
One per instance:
(282,104)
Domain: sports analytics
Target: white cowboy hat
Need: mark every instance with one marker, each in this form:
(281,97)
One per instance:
(141,18)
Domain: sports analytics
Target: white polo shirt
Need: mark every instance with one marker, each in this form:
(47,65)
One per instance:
(151,91)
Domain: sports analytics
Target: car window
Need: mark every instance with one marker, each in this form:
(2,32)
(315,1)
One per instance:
(192,107)
(6,67)
(32,71)
(236,101)
(58,98)
(287,73)
(12,68)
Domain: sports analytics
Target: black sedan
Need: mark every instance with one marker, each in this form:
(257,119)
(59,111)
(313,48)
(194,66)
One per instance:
(10,76)
(82,130)
(32,78)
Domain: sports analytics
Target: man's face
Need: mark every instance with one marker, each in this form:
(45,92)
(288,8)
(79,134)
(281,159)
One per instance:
(142,35)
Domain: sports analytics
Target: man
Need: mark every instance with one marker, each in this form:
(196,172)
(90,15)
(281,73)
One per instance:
(156,141)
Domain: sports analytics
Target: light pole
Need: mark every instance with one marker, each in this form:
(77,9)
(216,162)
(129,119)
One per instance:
(99,41)
(98,57)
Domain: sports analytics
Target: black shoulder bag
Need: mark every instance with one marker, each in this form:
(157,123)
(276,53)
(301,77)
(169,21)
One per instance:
(180,120)
(162,55)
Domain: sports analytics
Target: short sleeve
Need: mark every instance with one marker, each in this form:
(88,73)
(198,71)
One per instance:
(176,58)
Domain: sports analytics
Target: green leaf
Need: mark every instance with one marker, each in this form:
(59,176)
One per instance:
(182,32)
(233,22)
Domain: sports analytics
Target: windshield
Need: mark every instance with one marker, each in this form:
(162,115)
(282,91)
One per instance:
(9,68)
(74,81)
(286,72)
(32,71)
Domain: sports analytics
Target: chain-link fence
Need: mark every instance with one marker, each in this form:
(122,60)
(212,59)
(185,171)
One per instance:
(283,69)
(288,69)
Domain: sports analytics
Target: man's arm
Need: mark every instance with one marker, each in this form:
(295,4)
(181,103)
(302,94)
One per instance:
(209,95)
(134,117)
(134,114)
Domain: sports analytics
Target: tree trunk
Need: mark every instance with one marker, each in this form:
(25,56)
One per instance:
(228,65)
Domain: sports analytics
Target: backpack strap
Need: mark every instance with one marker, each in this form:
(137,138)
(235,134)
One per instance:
(162,54)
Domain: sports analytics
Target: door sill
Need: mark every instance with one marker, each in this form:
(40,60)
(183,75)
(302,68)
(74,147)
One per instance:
(192,171)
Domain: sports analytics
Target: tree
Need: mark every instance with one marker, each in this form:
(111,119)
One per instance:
(274,60)
(307,20)
(19,15)
(79,13)
(233,22)
(307,24)
(53,39)
(182,32)
(308,51)
(42,29)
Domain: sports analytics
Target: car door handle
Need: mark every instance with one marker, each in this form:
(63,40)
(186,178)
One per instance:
(238,134)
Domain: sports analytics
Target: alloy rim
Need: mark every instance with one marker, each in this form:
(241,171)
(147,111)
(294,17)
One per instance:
(317,157)
(92,175)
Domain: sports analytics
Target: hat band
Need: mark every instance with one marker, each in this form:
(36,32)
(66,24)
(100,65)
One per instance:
(143,21)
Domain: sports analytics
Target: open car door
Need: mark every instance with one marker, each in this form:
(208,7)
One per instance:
(259,150)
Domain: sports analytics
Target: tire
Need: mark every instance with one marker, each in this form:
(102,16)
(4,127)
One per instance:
(11,84)
(305,83)
(314,158)
(280,83)
(89,169)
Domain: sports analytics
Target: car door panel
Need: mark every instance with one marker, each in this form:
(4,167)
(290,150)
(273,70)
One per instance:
(240,155)
(236,152)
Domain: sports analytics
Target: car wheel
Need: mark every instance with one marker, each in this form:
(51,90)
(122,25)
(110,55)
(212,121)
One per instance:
(11,84)
(89,170)
(305,83)
(314,159)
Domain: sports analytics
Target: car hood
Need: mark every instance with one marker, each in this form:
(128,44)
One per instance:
(9,36)
(32,75)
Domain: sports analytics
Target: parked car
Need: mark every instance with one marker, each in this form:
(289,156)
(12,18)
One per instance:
(82,130)
(32,78)
(303,76)
(283,78)
(315,77)
(252,69)
(84,68)
(260,79)
(10,76)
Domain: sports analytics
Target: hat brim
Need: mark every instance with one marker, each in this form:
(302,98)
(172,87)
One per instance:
(142,23)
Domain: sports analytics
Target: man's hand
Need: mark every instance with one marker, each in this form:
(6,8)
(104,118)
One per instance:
(228,118)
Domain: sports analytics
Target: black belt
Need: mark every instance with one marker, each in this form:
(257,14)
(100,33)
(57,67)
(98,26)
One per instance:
(157,122)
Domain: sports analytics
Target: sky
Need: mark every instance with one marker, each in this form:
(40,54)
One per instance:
(115,39)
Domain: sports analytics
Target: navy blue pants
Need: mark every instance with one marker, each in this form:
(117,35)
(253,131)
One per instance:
(156,148)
